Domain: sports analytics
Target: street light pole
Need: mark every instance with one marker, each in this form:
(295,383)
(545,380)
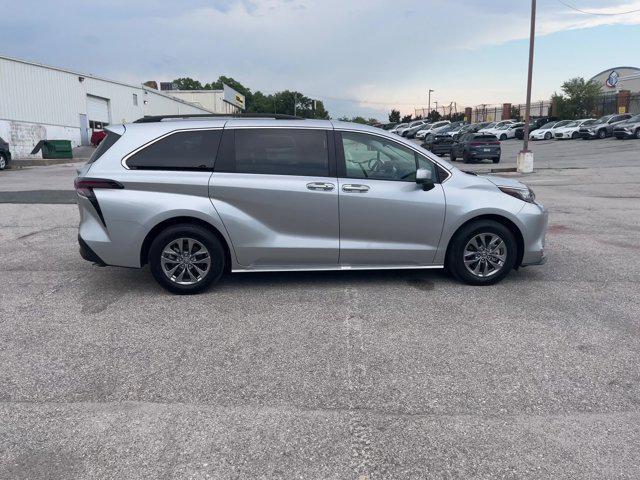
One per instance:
(525,157)
(429,107)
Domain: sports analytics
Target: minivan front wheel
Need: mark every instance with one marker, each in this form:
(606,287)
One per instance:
(186,259)
(482,253)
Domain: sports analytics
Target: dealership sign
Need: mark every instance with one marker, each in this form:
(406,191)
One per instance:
(612,79)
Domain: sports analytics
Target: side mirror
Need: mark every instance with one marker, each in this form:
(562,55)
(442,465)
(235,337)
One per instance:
(424,177)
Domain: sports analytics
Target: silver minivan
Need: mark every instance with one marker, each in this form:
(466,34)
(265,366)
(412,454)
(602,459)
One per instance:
(197,197)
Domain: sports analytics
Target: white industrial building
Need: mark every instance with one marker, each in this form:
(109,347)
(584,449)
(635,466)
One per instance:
(39,102)
(226,100)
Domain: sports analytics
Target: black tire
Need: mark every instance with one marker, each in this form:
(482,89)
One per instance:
(496,160)
(199,234)
(466,158)
(602,133)
(637,134)
(503,137)
(455,258)
(574,135)
(3,161)
(547,136)
(452,156)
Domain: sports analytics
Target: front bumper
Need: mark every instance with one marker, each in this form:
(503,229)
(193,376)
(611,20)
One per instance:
(535,218)
(623,133)
(588,134)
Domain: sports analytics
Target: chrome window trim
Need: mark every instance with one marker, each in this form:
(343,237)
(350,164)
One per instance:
(123,162)
(391,139)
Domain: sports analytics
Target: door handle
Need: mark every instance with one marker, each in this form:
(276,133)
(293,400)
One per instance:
(353,188)
(327,187)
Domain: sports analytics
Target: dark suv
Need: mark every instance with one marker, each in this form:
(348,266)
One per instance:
(603,127)
(628,129)
(476,146)
(5,154)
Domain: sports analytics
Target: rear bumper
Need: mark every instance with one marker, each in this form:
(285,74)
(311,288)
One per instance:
(88,254)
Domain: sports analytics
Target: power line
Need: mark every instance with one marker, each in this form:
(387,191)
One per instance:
(596,13)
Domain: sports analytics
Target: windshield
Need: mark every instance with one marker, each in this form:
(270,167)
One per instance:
(546,126)
(402,125)
(589,122)
(602,120)
(490,125)
(572,124)
(503,127)
(634,119)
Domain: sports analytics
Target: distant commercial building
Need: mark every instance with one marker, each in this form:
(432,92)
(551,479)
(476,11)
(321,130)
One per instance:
(616,79)
(39,102)
(223,101)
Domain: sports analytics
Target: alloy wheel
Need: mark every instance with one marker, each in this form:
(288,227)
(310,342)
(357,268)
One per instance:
(3,162)
(185,261)
(485,255)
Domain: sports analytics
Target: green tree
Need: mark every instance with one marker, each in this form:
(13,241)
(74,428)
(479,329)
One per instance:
(407,118)
(372,121)
(434,116)
(579,99)
(186,83)
(394,116)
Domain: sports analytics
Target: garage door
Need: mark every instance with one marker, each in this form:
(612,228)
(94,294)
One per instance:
(98,109)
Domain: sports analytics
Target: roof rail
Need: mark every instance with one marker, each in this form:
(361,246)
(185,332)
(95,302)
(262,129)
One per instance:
(159,118)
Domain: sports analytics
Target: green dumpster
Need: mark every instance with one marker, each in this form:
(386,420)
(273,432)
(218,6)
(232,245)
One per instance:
(54,149)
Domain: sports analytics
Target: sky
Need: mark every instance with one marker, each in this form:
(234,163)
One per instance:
(361,57)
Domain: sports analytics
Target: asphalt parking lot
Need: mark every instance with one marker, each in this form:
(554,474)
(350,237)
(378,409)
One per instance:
(348,375)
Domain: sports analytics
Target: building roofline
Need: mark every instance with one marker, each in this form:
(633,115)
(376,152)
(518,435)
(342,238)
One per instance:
(142,87)
(614,68)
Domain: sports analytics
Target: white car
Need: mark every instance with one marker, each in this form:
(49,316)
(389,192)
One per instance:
(398,127)
(507,131)
(432,128)
(571,131)
(403,131)
(547,131)
(493,129)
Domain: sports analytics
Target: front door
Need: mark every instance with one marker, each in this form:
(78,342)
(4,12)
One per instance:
(386,219)
(276,192)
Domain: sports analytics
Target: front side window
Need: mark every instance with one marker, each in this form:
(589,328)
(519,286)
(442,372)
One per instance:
(375,158)
(192,150)
(281,151)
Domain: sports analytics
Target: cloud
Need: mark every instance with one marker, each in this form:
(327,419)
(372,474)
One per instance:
(373,53)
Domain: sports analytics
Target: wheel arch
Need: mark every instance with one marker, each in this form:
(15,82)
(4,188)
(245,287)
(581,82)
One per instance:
(513,228)
(155,231)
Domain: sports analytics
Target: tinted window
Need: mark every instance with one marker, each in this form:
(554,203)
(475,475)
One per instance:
(375,158)
(106,143)
(280,151)
(190,150)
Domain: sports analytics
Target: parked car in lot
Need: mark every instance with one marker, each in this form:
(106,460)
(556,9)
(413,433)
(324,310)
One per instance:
(5,154)
(438,143)
(492,129)
(405,130)
(547,131)
(473,147)
(602,127)
(423,132)
(452,128)
(398,127)
(194,198)
(628,129)
(508,131)
(571,130)
(534,124)
(411,132)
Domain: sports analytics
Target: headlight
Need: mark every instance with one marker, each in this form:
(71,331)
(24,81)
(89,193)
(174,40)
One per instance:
(524,194)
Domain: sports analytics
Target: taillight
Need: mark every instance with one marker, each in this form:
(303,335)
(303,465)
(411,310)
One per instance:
(85,186)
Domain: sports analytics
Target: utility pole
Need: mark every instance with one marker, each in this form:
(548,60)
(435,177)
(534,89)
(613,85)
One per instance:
(429,107)
(295,105)
(525,157)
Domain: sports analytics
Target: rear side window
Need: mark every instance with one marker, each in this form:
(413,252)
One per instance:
(191,150)
(106,143)
(279,151)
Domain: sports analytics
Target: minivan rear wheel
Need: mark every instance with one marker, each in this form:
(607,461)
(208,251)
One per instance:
(482,253)
(186,259)
(3,162)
